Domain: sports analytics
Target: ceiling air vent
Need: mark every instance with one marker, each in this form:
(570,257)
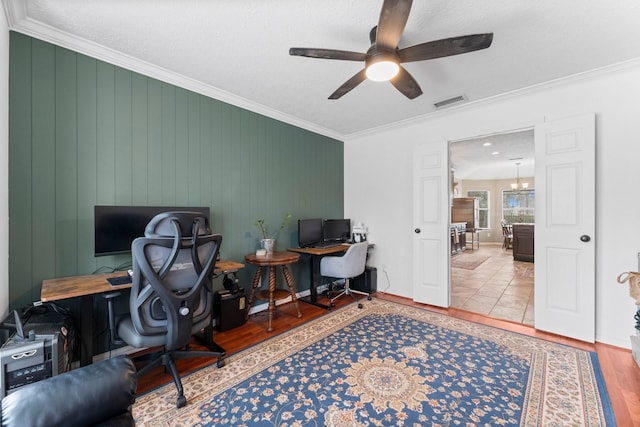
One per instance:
(447,102)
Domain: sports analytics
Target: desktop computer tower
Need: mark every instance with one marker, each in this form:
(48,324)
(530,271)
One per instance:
(367,281)
(40,353)
(230,309)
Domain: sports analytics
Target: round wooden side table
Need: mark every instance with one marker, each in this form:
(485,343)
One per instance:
(270,262)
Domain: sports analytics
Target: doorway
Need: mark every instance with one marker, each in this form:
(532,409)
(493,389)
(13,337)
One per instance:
(498,171)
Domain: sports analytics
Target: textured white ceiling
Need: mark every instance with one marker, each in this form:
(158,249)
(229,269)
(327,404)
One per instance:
(494,156)
(237,50)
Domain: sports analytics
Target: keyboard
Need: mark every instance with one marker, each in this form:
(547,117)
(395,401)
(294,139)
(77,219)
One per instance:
(119,280)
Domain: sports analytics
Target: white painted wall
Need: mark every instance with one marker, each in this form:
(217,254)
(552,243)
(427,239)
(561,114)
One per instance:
(4,164)
(495,188)
(378,178)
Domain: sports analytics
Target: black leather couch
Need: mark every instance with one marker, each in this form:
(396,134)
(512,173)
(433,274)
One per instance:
(95,395)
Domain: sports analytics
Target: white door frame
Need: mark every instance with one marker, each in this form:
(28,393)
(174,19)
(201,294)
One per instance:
(443,287)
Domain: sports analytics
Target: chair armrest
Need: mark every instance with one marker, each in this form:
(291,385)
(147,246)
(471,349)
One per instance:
(84,396)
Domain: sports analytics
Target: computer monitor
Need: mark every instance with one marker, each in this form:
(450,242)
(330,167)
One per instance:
(338,230)
(309,231)
(116,227)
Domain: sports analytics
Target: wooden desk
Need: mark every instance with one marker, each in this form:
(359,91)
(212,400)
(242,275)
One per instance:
(316,255)
(80,286)
(270,262)
(89,285)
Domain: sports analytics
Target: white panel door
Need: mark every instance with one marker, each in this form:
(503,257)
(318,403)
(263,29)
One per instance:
(565,227)
(431,219)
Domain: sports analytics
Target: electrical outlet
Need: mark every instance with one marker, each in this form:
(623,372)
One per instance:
(488,234)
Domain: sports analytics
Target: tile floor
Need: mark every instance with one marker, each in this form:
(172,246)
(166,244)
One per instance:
(499,287)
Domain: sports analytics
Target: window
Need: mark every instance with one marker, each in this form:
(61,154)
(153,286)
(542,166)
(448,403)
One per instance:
(483,207)
(518,206)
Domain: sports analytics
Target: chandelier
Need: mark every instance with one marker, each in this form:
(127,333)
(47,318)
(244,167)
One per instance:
(517,186)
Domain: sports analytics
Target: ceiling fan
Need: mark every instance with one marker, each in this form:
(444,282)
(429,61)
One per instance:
(382,60)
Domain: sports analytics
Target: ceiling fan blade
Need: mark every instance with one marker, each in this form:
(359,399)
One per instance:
(445,47)
(349,84)
(405,83)
(393,18)
(327,54)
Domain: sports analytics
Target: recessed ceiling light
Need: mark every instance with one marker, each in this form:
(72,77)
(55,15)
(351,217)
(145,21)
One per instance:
(495,153)
(486,144)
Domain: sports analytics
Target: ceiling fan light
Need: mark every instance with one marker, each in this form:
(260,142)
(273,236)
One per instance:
(382,71)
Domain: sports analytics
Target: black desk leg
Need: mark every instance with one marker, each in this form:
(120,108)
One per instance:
(206,338)
(314,282)
(86,330)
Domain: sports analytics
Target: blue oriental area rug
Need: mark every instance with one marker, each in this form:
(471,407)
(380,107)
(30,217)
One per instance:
(390,365)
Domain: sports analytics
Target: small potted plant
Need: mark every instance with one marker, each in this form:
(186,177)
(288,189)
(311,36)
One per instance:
(268,239)
(634,291)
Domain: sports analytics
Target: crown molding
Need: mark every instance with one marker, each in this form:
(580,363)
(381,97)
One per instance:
(15,11)
(20,22)
(571,79)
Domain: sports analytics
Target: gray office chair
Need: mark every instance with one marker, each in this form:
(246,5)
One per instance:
(347,266)
(171,290)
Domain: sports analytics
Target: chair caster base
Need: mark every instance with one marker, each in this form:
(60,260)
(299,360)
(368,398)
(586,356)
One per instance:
(181,402)
(220,363)
(368,297)
(332,304)
(360,305)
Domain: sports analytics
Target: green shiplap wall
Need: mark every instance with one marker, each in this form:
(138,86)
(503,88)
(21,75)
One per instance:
(83,132)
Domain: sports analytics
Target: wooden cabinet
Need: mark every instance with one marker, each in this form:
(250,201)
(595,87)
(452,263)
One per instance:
(523,242)
(465,209)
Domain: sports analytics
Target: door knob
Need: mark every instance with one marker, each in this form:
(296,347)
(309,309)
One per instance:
(417,231)
(585,238)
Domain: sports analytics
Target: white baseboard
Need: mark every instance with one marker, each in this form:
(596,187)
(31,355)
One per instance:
(265,305)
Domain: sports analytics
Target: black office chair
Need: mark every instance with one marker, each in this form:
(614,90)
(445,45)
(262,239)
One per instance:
(347,266)
(171,290)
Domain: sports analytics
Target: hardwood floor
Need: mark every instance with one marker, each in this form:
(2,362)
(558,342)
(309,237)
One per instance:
(620,371)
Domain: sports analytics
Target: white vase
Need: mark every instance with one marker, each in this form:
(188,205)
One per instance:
(267,245)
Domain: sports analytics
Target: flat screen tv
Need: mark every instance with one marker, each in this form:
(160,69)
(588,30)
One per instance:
(116,227)
(309,232)
(338,230)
